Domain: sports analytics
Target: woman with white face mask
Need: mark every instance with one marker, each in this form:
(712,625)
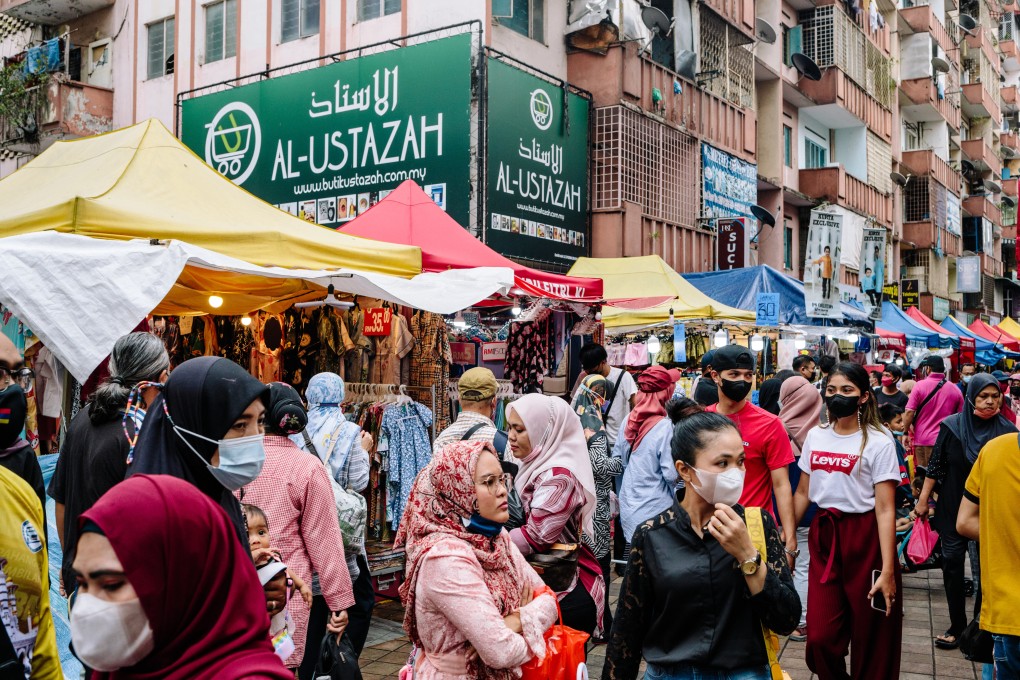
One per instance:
(151,605)
(697,590)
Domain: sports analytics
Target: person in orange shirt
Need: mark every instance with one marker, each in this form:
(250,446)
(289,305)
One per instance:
(826,261)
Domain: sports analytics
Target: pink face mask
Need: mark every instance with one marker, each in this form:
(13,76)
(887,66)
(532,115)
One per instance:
(888,382)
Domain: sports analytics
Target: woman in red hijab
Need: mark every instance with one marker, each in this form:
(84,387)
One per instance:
(150,603)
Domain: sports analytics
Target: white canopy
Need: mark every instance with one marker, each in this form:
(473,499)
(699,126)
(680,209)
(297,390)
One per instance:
(80,294)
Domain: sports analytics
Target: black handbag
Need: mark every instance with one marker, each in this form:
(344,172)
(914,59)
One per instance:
(557,567)
(337,661)
(976,644)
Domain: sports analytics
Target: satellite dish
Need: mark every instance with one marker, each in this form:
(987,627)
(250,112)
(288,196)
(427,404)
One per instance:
(1009,202)
(992,187)
(764,31)
(656,21)
(898,178)
(967,23)
(687,64)
(763,215)
(806,66)
(966,167)
(1010,152)
(940,65)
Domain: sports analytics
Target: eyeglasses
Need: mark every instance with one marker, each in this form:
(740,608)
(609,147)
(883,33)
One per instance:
(23,376)
(493,482)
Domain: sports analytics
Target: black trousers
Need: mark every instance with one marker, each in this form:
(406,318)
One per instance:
(360,618)
(607,574)
(954,552)
(578,609)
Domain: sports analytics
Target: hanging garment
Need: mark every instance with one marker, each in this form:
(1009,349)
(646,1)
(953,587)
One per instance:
(390,351)
(266,364)
(406,428)
(330,358)
(431,359)
(300,349)
(527,355)
(357,357)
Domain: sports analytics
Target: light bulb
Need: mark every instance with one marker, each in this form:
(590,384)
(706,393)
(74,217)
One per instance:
(245,320)
(899,362)
(653,345)
(757,343)
(800,342)
(516,311)
(853,337)
(719,340)
(215,301)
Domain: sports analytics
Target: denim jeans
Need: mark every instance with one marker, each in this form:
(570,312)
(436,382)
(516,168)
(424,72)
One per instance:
(800,580)
(688,672)
(1007,657)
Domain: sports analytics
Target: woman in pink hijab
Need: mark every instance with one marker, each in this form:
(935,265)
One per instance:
(557,489)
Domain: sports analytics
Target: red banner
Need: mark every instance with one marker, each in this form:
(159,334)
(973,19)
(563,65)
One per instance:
(966,351)
(378,321)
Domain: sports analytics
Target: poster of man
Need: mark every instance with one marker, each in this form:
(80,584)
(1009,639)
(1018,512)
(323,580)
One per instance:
(873,271)
(822,265)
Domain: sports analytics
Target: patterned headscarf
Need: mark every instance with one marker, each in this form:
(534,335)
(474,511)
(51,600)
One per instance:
(327,427)
(590,399)
(443,494)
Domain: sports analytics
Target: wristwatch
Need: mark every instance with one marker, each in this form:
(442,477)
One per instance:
(792,553)
(750,566)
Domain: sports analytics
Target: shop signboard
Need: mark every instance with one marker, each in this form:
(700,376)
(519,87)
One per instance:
(767,309)
(378,321)
(968,274)
(966,351)
(679,342)
(821,266)
(939,308)
(731,243)
(729,186)
(328,143)
(537,151)
(494,351)
(872,271)
(910,293)
(463,353)
(891,292)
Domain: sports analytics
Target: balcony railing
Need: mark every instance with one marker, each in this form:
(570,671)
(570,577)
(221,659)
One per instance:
(926,235)
(834,185)
(929,164)
(924,91)
(990,265)
(922,19)
(1009,187)
(982,206)
(978,151)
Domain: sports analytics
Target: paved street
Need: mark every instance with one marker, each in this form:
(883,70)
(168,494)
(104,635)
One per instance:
(925,616)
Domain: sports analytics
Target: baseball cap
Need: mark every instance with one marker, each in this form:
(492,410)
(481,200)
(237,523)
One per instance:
(706,360)
(934,362)
(1001,376)
(1015,376)
(732,357)
(477,384)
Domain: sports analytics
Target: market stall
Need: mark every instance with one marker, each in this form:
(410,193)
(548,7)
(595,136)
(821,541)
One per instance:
(895,319)
(996,335)
(969,347)
(1010,326)
(980,344)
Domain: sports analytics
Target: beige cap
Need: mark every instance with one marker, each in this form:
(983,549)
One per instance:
(477,384)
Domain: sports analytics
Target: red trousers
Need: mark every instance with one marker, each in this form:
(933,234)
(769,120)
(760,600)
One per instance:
(844,552)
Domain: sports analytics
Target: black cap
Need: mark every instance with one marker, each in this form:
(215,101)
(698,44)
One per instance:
(934,362)
(706,360)
(732,357)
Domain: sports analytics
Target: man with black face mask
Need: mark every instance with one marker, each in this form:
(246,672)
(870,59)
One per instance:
(767,448)
(16,454)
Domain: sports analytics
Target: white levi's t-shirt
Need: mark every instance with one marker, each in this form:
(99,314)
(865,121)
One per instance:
(841,477)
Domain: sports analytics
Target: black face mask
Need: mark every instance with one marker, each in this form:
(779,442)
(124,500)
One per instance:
(841,406)
(1015,390)
(736,390)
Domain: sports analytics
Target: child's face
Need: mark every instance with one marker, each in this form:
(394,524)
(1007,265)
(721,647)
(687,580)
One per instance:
(258,533)
(896,424)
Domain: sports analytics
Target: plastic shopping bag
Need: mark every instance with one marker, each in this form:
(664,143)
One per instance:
(564,652)
(922,541)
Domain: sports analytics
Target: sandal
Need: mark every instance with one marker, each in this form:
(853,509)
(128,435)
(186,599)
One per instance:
(947,641)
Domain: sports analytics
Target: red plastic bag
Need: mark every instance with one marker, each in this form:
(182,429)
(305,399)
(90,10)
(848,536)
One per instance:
(564,651)
(922,542)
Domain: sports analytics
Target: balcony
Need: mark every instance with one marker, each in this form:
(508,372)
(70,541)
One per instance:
(1009,187)
(737,12)
(982,156)
(922,19)
(63,109)
(1008,49)
(982,40)
(928,164)
(836,87)
(978,102)
(982,206)
(834,185)
(923,93)
(1008,96)
(990,266)
(51,12)
(926,235)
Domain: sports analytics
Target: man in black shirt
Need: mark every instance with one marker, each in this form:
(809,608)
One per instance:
(889,393)
(706,392)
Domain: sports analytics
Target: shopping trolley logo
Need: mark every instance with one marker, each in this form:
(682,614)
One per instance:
(233,141)
(541,109)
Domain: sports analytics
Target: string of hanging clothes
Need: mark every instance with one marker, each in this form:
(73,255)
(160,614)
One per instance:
(505,394)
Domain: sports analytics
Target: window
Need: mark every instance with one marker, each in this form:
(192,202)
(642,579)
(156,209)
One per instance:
(298,19)
(814,155)
(161,48)
(787,146)
(373,9)
(527,17)
(792,43)
(220,30)
(787,245)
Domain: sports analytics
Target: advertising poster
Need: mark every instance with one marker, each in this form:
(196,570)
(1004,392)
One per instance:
(968,274)
(537,168)
(729,186)
(328,143)
(872,271)
(821,268)
(910,293)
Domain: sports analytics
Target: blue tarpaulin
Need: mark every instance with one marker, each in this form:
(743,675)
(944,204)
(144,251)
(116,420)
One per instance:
(740,287)
(893,319)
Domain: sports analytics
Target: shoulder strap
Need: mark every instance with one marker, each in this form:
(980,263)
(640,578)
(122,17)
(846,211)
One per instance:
(308,442)
(616,387)
(756,527)
(931,395)
(471,430)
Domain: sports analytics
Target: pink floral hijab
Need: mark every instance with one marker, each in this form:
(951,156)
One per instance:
(557,440)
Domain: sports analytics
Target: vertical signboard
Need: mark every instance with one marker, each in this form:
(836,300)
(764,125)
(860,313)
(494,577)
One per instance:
(910,293)
(729,186)
(872,271)
(537,151)
(327,143)
(731,244)
(821,267)
(968,274)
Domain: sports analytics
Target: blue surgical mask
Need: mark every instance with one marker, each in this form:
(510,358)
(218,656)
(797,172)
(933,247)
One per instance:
(241,458)
(476,524)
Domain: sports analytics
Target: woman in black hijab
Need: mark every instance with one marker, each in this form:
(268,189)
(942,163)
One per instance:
(206,428)
(961,438)
(768,393)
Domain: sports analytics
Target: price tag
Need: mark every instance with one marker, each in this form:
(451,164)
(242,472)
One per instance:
(767,309)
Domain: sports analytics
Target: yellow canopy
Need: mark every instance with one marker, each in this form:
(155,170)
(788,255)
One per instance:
(1010,326)
(142,182)
(630,278)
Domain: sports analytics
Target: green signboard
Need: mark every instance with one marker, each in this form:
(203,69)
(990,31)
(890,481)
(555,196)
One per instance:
(537,156)
(328,143)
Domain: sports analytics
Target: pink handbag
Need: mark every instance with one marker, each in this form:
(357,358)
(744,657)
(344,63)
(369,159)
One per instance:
(922,542)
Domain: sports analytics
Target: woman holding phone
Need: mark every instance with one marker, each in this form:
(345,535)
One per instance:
(850,471)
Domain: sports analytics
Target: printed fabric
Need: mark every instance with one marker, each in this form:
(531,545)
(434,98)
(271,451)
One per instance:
(527,355)
(406,429)
(431,358)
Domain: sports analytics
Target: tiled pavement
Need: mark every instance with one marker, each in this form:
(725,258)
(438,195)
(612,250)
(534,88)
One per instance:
(925,616)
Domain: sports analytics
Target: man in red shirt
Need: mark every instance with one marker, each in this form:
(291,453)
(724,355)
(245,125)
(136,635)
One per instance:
(767,451)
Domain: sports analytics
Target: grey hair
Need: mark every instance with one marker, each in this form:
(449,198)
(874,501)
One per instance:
(136,357)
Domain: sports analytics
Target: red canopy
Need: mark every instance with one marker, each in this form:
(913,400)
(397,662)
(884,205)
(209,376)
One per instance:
(996,335)
(923,319)
(408,216)
(891,340)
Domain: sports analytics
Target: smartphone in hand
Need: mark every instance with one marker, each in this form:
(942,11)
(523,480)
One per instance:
(878,599)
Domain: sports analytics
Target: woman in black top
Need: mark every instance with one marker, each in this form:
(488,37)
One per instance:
(960,440)
(697,591)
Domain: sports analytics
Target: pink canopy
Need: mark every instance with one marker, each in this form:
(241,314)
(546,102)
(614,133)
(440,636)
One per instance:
(994,334)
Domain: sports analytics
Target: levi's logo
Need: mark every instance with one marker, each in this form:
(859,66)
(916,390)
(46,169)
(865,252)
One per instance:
(833,462)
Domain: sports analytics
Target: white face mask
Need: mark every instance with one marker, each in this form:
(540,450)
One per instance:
(720,487)
(109,636)
(241,458)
